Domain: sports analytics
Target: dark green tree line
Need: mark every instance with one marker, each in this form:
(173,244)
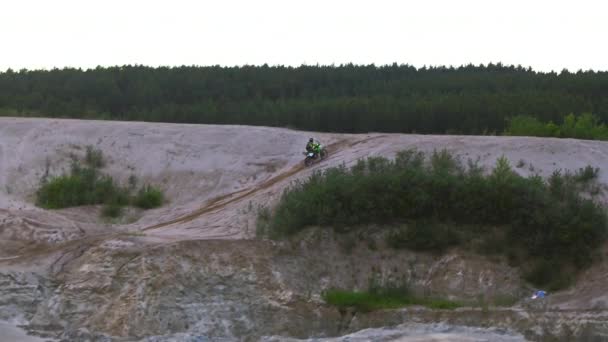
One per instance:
(346,98)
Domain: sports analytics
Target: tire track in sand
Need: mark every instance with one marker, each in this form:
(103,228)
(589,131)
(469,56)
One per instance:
(224,200)
(214,204)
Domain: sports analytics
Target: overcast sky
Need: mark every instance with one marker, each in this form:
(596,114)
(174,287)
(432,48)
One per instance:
(546,35)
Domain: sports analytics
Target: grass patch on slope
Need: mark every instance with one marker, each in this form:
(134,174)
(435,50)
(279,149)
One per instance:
(437,202)
(148,197)
(85,184)
(389,298)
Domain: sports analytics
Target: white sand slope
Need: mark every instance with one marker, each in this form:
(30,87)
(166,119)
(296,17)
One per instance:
(215,177)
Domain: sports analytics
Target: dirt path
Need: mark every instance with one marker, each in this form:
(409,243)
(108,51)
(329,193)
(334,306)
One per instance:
(224,200)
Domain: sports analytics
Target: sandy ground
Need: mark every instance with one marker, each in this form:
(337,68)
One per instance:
(215,177)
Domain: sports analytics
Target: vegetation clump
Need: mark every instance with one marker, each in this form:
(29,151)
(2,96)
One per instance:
(148,197)
(433,202)
(87,185)
(383,298)
(94,158)
(585,126)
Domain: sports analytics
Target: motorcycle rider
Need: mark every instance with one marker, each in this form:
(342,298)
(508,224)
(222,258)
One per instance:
(317,150)
(311,146)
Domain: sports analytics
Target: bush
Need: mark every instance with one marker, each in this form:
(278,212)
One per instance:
(586,174)
(530,126)
(94,157)
(88,186)
(149,197)
(423,236)
(83,186)
(438,202)
(382,298)
(584,126)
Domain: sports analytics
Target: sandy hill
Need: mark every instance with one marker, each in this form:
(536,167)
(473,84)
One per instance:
(211,174)
(215,178)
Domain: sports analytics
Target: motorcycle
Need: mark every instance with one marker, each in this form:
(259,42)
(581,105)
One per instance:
(320,153)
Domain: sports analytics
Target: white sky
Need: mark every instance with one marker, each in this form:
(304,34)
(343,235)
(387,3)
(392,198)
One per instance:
(546,35)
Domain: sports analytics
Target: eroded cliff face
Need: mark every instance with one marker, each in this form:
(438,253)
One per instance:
(248,289)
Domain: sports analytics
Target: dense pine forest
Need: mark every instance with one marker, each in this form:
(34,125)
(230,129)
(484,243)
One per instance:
(346,98)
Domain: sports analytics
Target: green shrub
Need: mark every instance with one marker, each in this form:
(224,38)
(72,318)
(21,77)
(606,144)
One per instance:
(584,126)
(149,197)
(88,186)
(94,157)
(423,236)
(83,186)
(530,126)
(442,304)
(382,298)
(60,192)
(439,203)
(586,174)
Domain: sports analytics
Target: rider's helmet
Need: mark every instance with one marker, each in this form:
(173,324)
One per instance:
(310,140)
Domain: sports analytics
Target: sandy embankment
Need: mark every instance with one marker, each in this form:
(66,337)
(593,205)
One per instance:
(215,177)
